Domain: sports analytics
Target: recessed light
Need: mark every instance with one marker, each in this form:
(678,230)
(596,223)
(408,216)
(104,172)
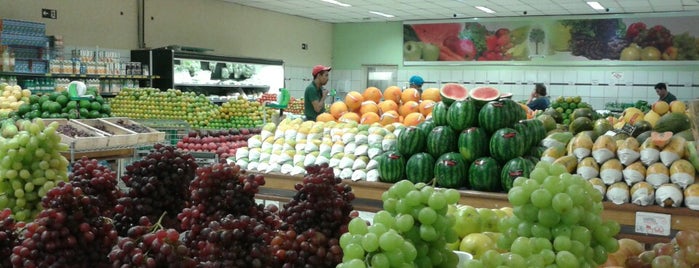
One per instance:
(485,9)
(337,3)
(595,5)
(382,14)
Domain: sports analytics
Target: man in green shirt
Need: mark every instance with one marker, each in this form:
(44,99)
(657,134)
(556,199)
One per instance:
(663,94)
(314,96)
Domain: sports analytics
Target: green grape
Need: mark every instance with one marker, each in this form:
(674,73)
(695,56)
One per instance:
(427,216)
(50,174)
(530,213)
(357,226)
(428,233)
(441,224)
(25,174)
(28,187)
(404,222)
(562,230)
(451,259)
(354,263)
(538,174)
(539,244)
(11,174)
(370,242)
(548,217)
(450,236)
(395,257)
(505,240)
(401,188)
(600,254)
(517,196)
(413,235)
(553,184)
(596,195)
(390,204)
(452,196)
(541,198)
(519,181)
(597,207)
(581,234)
(492,258)
(385,218)
(562,243)
(345,239)
(613,226)
(380,260)
(530,186)
(44,165)
(420,185)
(20,202)
(610,244)
(385,196)
(542,165)
(577,194)
(548,256)
(472,263)
(409,251)
(566,259)
(514,260)
(577,248)
(561,202)
(557,169)
(538,230)
(390,240)
(600,233)
(426,193)
(423,261)
(521,247)
(403,207)
(413,198)
(19,193)
(572,216)
(437,201)
(4,201)
(535,260)
(592,220)
(525,229)
(435,256)
(353,251)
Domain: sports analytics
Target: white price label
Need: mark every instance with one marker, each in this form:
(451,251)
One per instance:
(653,223)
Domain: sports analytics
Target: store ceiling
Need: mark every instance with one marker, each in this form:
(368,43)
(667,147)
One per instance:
(405,10)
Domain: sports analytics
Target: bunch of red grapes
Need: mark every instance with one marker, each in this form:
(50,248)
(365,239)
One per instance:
(98,182)
(8,236)
(235,241)
(69,232)
(148,245)
(156,184)
(308,249)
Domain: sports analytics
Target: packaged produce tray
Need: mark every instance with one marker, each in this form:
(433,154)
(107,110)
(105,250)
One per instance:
(97,140)
(118,136)
(146,135)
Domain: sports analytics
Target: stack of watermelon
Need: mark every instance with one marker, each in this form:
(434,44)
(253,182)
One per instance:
(477,141)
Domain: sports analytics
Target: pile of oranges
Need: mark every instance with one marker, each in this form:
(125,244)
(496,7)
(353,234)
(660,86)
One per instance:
(393,105)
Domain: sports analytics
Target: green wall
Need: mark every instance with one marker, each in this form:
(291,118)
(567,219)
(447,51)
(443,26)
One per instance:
(356,44)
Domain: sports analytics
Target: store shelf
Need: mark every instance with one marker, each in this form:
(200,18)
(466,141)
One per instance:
(280,187)
(84,76)
(222,86)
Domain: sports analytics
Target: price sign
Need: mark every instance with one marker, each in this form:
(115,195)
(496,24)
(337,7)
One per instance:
(628,129)
(653,223)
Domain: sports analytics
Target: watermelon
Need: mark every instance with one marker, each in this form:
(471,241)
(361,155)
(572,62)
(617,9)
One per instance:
(516,167)
(391,167)
(483,95)
(426,126)
(450,171)
(517,112)
(441,140)
(462,115)
(472,144)
(452,92)
(533,131)
(411,141)
(506,144)
(439,113)
(493,116)
(420,168)
(484,174)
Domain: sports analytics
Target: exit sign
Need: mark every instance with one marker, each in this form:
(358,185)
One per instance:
(49,13)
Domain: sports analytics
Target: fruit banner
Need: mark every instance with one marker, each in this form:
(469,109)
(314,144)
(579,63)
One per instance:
(610,39)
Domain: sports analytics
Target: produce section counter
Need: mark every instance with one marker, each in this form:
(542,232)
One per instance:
(280,187)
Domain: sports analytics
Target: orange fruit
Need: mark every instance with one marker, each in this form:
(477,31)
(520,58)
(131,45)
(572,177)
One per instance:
(325,117)
(425,107)
(348,117)
(431,94)
(661,107)
(389,117)
(354,100)
(369,118)
(408,108)
(392,93)
(369,106)
(338,108)
(372,93)
(410,94)
(387,105)
(413,119)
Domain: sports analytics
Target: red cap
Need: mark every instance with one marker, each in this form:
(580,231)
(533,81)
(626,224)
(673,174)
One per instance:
(318,68)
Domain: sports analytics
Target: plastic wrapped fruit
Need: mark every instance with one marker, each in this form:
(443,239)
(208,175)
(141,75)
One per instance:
(668,195)
(691,197)
(642,194)
(618,193)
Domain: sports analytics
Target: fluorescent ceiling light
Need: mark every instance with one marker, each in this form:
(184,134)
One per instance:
(382,14)
(485,9)
(337,3)
(595,5)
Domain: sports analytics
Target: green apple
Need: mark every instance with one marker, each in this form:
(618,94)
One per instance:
(412,50)
(430,52)
(467,221)
(477,244)
(489,220)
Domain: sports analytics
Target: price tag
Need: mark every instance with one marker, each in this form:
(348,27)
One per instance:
(628,129)
(653,223)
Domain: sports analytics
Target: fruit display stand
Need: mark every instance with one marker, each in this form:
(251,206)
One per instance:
(279,187)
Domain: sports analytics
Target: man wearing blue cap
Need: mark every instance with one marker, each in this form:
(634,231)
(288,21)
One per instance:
(416,83)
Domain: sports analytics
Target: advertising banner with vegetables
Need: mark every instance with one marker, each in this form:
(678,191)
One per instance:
(545,39)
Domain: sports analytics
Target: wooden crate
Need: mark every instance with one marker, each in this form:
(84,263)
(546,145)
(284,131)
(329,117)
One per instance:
(150,137)
(118,136)
(98,141)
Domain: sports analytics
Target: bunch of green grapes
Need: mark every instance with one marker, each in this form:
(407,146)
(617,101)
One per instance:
(30,165)
(411,231)
(557,220)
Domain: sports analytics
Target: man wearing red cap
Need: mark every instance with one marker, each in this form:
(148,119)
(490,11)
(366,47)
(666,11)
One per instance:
(314,97)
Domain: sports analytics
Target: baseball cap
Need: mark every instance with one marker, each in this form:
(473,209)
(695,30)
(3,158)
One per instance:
(318,68)
(416,80)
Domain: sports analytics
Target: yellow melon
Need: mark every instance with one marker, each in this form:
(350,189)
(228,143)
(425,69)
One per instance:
(408,108)
(661,107)
(373,94)
(410,94)
(413,119)
(392,93)
(425,107)
(431,94)
(387,105)
(369,118)
(354,100)
(325,117)
(338,108)
(389,117)
(678,107)
(349,117)
(369,106)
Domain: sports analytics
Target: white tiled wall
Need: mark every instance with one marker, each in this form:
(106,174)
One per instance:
(595,86)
